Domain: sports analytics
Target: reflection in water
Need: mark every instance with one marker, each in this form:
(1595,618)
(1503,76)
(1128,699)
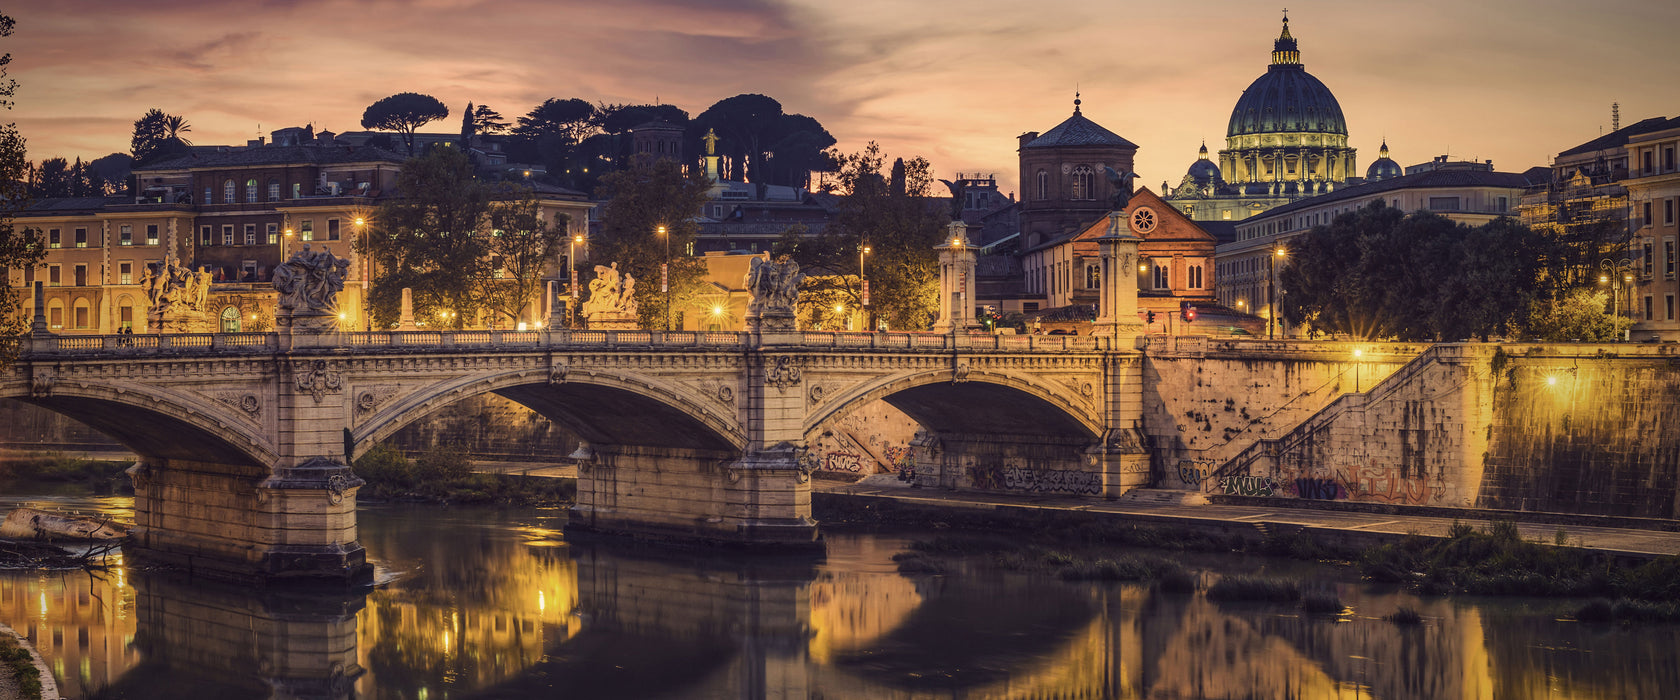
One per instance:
(493,604)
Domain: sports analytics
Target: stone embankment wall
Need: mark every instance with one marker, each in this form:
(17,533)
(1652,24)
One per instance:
(1206,400)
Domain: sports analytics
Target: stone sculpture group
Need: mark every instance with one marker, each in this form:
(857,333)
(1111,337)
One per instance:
(308,286)
(178,297)
(774,287)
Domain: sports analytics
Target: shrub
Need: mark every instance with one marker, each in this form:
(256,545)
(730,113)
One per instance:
(1459,529)
(1405,616)
(1322,604)
(918,563)
(1248,588)
(1177,580)
(1106,570)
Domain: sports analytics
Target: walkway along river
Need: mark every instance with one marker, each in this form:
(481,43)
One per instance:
(496,604)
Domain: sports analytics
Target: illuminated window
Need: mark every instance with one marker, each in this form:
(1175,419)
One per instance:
(125,235)
(273,190)
(125,273)
(81,238)
(230,320)
(1093,277)
(1668,256)
(251,191)
(250,234)
(306,231)
(151,234)
(53,240)
(227,192)
(273,234)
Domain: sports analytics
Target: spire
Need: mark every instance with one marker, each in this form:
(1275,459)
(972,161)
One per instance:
(1284,50)
(1203,154)
(1075,101)
(1383,152)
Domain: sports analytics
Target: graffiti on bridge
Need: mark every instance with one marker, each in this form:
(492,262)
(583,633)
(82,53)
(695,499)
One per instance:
(1319,489)
(842,462)
(1353,483)
(1193,472)
(994,477)
(1247,485)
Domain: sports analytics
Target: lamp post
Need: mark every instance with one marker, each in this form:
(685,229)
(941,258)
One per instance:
(1619,274)
(367,275)
(863,290)
(1271,292)
(571,279)
(665,275)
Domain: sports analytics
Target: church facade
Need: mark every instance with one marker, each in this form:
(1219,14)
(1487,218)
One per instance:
(1286,140)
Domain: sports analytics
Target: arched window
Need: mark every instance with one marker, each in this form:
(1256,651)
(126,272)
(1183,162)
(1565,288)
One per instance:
(251,191)
(273,190)
(227,192)
(230,320)
(1093,277)
(125,312)
(55,314)
(1084,183)
(1043,185)
(83,314)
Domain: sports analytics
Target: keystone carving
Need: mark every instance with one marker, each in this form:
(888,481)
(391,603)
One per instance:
(320,381)
(557,374)
(41,382)
(959,374)
(783,373)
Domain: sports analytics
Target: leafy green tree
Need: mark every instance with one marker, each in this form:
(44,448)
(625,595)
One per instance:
(52,179)
(19,246)
(158,137)
(641,199)
(521,246)
(1377,273)
(551,134)
(427,238)
(1578,314)
(404,113)
(901,226)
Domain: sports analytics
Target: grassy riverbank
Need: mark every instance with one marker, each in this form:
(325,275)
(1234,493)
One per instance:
(16,663)
(444,474)
(98,476)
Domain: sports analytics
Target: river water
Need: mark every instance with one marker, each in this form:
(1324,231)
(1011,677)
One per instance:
(478,603)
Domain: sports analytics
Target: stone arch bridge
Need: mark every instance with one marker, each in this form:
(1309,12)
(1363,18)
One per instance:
(244,438)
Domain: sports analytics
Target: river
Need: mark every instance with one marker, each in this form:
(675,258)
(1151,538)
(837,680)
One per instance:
(481,603)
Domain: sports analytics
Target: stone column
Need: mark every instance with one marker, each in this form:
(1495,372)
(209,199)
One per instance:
(38,325)
(1117,312)
(956,280)
(406,321)
(1121,455)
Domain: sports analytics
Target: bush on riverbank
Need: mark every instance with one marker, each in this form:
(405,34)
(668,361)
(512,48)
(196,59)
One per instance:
(1250,588)
(1500,562)
(443,474)
(928,556)
(21,667)
(103,477)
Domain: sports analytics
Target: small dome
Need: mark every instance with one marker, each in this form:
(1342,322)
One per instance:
(1203,171)
(1383,168)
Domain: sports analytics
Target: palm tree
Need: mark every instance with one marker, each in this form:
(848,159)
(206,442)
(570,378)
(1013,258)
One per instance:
(174,125)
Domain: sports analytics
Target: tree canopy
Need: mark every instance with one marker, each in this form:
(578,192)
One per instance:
(158,137)
(761,143)
(640,199)
(520,246)
(426,239)
(19,247)
(404,113)
(1378,273)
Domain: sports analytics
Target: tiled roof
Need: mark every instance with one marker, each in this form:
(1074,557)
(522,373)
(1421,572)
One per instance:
(1620,136)
(1079,131)
(279,155)
(1424,180)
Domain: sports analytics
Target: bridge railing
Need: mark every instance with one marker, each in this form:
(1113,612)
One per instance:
(514,340)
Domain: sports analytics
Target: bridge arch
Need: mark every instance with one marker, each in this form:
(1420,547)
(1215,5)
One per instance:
(157,422)
(602,406)
(983,402)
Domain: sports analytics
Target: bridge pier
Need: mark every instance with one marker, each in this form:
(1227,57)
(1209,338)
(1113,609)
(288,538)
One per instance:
(225,521)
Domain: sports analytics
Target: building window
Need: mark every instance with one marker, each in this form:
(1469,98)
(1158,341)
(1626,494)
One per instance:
(273,234)
(1645,162)
(1443,204)
(1648,315)
(1195,275)
(273,190)
(81,238)
(1668,212)
(1161,280)
(125,313)
(227,234)
(1668,257)
(230,320)
(151,234)
(81,275)
(207,199)
(297,190)
(1093,277)
(125,235)
(125,273)
(1668,307)
(248,271)
(1668,159)
(53,240)
(1502,204)
(1029,306)
(1648,221)
(1084,183)
(55,315)
(227,192)
(1650,258)
(204,235)
(1043,185)
(250,234)
(81,314)
(307,230)
(251,191)
(332,229)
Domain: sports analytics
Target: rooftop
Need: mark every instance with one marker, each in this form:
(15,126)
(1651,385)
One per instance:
(278,155)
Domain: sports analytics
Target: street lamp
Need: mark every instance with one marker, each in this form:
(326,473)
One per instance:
(1271,292)
(1619,274)
(571,278)
(863,288)
(367,276)
(665,275)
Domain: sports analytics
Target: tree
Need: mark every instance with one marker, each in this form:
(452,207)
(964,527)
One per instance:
(1378,273)
(1576,315)
(521,246)
(487,121)
(428,239)
(640,199)
(19,246)
(901,227)
(404,112)
(747,124)
(52,179)
(551,134)
(157,137)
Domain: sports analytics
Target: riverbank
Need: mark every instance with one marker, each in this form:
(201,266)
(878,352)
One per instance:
(445,475)
(99,476)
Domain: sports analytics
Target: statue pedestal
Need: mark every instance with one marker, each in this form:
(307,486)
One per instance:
(182,322)
(606,321)
(308,323)
(773,328)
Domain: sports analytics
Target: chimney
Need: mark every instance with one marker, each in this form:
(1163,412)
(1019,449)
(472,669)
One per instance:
(1028,138)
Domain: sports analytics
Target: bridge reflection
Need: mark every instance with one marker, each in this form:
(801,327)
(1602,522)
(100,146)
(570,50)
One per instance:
(497,616)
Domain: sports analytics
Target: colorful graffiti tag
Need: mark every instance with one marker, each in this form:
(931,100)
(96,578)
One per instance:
(1247,485)
(1192,473)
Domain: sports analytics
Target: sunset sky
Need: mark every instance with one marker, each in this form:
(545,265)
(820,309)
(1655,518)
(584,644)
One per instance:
(1514,81)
